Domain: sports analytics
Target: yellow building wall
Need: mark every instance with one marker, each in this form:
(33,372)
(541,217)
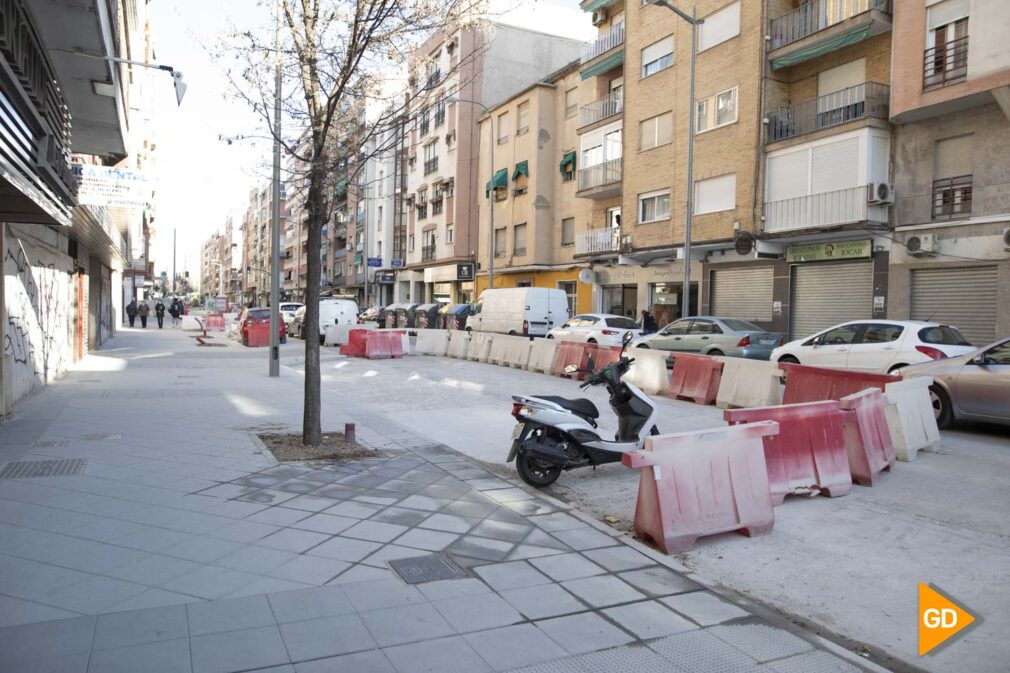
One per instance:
(583,294)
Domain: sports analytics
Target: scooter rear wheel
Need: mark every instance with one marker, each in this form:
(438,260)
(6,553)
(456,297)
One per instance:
(536,473)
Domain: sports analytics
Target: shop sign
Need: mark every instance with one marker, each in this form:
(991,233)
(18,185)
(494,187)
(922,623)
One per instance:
(826,252)
(464,271)
(385,277)
(111,187)
(375,262)
(396,263)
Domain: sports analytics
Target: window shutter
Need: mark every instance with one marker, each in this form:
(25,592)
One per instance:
(953,157)
(719,27)
(841,77)
(664,131)
(834,166)
(715,194)
(788,176)
(946,12)
(655,51)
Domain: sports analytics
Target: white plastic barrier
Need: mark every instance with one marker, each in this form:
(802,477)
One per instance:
(336,335)
(432,342)
(459,343)
(910,417)
(408,347)
(648,371)
(499,349)
(542,354)
(194,322)
(518,353)
(748,383)
(480,346)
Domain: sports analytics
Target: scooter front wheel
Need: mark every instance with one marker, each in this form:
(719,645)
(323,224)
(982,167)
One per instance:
(536,473)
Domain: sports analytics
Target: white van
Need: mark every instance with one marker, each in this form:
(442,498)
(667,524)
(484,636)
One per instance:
(519,310)
(331,312)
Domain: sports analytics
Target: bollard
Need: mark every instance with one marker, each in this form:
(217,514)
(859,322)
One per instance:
(349,432)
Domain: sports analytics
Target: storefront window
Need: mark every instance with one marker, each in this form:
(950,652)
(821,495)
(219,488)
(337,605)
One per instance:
(665,302)
(621,300)
(571,289)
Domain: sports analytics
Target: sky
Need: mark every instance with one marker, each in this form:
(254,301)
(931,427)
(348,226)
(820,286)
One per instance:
(201,178)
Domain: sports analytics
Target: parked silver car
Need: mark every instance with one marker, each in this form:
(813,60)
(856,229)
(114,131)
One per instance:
(974,386)
(710,335)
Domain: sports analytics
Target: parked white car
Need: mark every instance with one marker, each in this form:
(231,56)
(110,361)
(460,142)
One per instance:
(518,310)
(287,309)
(331,312)
(881,346)
(604,329)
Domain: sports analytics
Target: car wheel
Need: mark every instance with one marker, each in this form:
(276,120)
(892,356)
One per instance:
(788,360)
(591,341)
(550,336)
(940,400)
(512,332)
(716,353)
(645,346)
(895,368)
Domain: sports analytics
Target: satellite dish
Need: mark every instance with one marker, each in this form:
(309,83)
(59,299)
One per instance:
(587,277)
(744,243)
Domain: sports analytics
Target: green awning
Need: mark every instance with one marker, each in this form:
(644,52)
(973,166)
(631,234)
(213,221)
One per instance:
(603,66)
(499,181)
(596,4)
(820,48)
(522,168)
(568,162)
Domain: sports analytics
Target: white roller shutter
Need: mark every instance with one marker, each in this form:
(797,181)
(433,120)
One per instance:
(964,297)
(834,166)
(841,77)
(827,294)
(788,176)
(953,157)
(743,293)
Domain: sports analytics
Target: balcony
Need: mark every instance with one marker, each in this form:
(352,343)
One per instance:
(600,181)
(597,241)
(602,109)
(433,79)
(430,165)
(427,253)
(437,207)
(424,127)
(946,64)
(868,100)
(607,40)
(844,206)
(952,197)
(822,26)
(439,117)
(422,212)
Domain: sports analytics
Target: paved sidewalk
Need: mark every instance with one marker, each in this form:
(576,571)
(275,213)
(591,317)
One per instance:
(180,545)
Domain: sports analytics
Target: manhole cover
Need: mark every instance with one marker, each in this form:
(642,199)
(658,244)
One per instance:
(26,469)
(102,436)
(427,569)
(50,444)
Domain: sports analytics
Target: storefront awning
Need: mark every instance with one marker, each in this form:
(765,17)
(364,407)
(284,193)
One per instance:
(568,162)
(499,181)
(820,48)
(522,168)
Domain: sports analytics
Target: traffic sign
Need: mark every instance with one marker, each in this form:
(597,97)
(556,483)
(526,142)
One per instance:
(375,261)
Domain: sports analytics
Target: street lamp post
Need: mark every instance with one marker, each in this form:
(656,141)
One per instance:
(688,216)
(275,229)
(490,198)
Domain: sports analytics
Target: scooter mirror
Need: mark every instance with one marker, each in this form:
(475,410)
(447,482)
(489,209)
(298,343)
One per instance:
(626,339)
(571,369)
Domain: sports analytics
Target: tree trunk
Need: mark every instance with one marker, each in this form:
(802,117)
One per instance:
(312,414)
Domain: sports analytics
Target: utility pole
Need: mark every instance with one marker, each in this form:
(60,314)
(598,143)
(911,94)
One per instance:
(275,234)
(173,260)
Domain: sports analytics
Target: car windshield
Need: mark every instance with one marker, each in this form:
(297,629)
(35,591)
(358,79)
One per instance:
(622,323)
(944,335)
(740,325)
(257,313)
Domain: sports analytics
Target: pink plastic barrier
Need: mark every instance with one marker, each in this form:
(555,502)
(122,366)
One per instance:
(702,483)
(695,377)
(808,453)
(573,353)
(813,384)
(214,322)
(385,344)
(867,436)
(602,356)
(355,346)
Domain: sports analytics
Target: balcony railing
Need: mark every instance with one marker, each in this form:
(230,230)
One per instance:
(599,175)
(427,253)
(817,15)
(868,99)
(821,210)
(608,106)
(422,212)
(437,207)
(439,117)
(945,64)
(596,241)
(430,165)
(612,38)
(425,126)
(952,197)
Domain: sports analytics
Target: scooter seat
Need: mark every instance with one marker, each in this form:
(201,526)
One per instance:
(580,406)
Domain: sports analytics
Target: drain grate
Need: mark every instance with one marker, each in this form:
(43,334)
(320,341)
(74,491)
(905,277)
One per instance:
(26,469)
(50,444)
(427,569)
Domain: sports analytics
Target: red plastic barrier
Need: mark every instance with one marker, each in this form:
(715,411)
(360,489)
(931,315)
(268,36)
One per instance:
(258,335)
(867,436)
(573,353)
(813,384)
(695,377)
(808,454)
(603,356)
(214,321)
(702,483)
(355,346)
(380,345)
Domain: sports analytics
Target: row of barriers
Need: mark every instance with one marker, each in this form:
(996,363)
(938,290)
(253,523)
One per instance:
(820,433)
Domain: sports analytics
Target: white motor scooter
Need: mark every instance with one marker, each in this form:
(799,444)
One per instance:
(554,433)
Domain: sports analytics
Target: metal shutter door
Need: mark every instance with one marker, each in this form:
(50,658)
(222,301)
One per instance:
(827,294)
(965,298)
(743,293)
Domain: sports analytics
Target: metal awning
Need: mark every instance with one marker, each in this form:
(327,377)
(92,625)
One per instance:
(822,47)
(522,168)
(603,66)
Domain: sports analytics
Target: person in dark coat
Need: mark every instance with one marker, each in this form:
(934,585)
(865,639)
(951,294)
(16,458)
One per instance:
(649,325)
(175,311)
(131,311)
(159,313)
(143,312)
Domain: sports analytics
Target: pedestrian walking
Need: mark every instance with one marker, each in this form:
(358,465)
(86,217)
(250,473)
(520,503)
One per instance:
(174,311)
(159,313)
(131,311)
(649,325)
(143,312)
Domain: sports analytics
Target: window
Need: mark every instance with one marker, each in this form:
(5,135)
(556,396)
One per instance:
(382,184)
(719,27)
(410,243)
(499,242)
(524,283)
(715,111)
(657,56)
(522,118)
(503,128)
(944,335)
(715,194)
(653,206)
(448,233)
(845,334)
(571,102)
(424,123)
(379,221)
(622,323)
(880,333)
(519,240)
(571,289)
(568,231)
(953,166)
(704,327)
(679,327)
(655,131)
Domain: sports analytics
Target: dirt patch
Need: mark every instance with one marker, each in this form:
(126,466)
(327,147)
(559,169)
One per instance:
(334,446)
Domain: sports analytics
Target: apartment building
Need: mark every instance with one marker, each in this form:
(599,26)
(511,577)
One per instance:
(218,266)
(383,208)
(255,229)
(479,66)
(531,187)
(950,104)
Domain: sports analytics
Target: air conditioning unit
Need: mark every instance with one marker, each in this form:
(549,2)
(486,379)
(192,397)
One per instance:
(922,245)
(599,16)
(880,193)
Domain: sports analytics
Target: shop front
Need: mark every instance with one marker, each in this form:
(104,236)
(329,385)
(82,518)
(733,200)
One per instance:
(659,289)
(448,284)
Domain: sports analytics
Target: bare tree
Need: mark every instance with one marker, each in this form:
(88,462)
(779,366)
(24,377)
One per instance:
(339,58)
